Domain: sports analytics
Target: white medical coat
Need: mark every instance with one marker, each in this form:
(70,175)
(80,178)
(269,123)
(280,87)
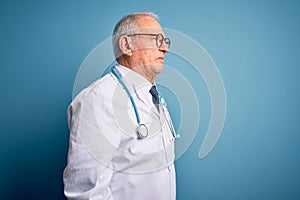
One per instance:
(106,160)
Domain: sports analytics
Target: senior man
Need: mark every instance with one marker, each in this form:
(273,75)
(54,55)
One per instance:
(121,136)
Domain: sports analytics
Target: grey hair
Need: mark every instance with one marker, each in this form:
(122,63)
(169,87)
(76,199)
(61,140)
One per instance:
(127,25)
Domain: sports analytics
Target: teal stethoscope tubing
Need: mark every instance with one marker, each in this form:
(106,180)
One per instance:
(138,119)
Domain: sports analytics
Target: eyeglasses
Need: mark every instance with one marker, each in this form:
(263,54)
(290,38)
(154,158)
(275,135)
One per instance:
(160,39)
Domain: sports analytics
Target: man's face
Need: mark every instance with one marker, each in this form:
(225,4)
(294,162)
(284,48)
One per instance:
(146,55)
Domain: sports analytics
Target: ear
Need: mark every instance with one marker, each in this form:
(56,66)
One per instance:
(125,45)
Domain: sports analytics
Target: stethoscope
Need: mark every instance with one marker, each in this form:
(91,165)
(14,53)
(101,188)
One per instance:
(141,129)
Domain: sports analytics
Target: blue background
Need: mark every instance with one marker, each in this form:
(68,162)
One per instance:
(255,44)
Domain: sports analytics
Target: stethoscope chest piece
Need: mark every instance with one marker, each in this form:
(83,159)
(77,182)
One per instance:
(141,131)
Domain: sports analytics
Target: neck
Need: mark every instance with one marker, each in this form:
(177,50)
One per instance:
(141,70)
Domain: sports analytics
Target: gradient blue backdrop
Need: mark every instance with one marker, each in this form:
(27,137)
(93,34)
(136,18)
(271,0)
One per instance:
(255,45)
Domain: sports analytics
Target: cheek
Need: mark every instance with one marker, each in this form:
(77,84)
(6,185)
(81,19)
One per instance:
(149,55)
(145,57)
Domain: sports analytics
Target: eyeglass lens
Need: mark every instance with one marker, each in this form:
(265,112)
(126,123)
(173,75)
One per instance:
(160,39)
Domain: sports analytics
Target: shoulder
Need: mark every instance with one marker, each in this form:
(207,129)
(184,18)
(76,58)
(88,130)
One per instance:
(96,98)
(100,88)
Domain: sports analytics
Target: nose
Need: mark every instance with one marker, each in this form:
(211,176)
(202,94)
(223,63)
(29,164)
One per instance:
(164,47)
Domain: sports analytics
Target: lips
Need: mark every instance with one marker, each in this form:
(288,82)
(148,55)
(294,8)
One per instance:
(161,58)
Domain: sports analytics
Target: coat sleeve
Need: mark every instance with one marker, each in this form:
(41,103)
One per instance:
(89,171)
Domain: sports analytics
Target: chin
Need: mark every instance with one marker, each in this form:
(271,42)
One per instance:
(159,68)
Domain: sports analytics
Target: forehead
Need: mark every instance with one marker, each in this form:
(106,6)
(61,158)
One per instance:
(148,24)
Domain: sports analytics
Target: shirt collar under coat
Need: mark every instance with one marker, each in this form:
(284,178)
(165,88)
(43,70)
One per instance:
(137,84)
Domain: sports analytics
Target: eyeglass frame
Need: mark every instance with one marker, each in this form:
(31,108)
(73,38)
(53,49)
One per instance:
(164,39)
